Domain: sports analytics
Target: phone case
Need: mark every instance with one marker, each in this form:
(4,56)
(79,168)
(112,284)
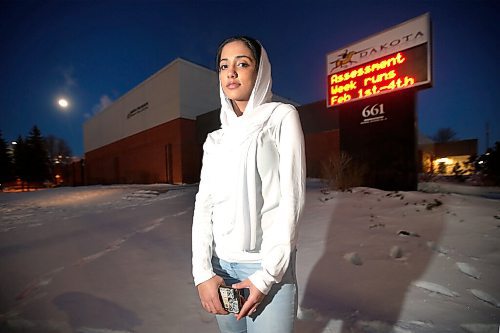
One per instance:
(230,299)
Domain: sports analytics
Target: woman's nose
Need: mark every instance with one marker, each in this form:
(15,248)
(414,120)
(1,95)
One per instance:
(231,73)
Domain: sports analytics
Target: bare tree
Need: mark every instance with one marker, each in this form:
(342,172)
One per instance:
(58,149)
(444,135)
(60,157)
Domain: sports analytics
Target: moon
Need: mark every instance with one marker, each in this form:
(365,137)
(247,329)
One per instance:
(63,103)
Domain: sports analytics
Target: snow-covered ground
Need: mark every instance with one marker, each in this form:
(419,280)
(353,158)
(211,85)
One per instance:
(117,259)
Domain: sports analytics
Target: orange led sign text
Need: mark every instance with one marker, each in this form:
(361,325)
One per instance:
(404,69)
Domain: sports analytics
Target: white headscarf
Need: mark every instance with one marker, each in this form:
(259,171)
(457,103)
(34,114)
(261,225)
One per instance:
(238,148)
(261,94)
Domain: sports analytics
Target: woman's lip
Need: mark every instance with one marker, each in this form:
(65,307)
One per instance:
(232,85)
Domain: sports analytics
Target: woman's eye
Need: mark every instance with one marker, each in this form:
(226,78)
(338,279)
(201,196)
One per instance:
(222,67)
(243,64)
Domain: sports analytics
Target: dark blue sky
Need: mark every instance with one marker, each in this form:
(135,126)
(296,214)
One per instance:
(95,51)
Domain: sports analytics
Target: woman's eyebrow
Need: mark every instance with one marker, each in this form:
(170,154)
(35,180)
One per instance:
(238,57)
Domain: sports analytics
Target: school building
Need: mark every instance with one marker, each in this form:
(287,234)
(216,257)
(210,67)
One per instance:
(154,133)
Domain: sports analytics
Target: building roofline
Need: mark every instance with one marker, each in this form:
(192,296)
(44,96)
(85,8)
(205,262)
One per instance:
(151,77)
(165,68)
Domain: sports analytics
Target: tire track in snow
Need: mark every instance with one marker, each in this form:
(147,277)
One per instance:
(32,291)
(116,244)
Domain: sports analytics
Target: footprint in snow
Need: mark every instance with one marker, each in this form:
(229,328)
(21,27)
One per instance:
(376,326)
(309,314)
(373,326)
(142,194)
(415,324)
(468,270)
(98,330)
(485,297)
(353,258)
(436,288)
(436,248)
(480,328)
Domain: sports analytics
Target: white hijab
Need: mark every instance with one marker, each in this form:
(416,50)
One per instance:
(238,147)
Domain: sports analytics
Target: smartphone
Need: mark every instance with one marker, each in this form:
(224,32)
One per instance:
(230,298)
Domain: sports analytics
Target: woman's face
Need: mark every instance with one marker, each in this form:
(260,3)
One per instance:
(237,71)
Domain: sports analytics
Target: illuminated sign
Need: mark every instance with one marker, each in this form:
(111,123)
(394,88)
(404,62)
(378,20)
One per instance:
(397,71)
(396,59)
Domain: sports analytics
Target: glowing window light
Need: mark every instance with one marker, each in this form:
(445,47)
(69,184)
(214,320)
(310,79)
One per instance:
(445,160)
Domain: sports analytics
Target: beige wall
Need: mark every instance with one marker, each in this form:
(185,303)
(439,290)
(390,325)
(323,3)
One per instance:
(199,90)
(179,90)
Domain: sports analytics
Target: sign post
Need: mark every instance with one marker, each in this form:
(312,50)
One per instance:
(373,86)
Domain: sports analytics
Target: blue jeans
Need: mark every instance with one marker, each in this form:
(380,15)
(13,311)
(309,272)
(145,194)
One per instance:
(277,311)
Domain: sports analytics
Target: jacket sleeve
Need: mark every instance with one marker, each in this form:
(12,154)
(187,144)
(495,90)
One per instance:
(280,239)
(202,236)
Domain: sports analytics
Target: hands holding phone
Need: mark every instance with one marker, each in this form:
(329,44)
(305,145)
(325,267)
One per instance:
(253,300)
(209,295)
(210,299)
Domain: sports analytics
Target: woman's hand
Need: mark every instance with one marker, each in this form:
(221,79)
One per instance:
(253,300)
(209,295)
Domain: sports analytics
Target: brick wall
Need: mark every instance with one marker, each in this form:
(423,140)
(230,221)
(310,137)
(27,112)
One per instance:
(167,153)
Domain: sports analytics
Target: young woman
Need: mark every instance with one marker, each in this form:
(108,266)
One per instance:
(250,197)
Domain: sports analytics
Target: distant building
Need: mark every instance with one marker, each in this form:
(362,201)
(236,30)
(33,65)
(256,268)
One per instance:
(442,157)
(154,133)
(149,134)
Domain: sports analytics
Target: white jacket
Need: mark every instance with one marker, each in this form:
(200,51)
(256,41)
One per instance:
(252,187)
